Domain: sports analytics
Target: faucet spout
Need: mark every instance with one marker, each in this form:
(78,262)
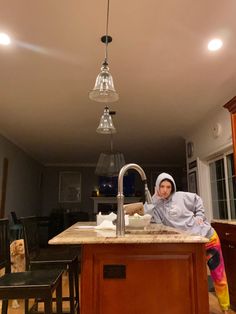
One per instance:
(147,194)
(120,226)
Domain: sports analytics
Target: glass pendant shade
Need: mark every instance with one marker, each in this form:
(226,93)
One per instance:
(104,90)
(109,164)
(106,125)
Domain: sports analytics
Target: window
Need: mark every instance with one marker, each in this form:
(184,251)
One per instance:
(223,187)
(232,185)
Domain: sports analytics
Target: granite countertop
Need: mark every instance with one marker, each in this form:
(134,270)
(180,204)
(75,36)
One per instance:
(84,233)
(224,221)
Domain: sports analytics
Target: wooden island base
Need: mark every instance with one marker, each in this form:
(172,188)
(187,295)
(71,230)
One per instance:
(152,278)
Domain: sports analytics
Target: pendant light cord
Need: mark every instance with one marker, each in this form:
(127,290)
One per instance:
(106,51)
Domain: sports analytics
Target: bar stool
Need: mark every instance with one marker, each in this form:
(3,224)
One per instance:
(51,257)
(29,284)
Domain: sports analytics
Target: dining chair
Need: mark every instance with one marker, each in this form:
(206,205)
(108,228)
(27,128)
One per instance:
(16,226)
(29,284)
(66,257)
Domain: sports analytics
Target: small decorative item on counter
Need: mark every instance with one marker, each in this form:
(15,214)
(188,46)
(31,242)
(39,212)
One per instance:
(106,224)
(100,218)
(110,218)
(131,209)
(139,221)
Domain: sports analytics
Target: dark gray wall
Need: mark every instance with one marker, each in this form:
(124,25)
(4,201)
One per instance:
(50,193)
(23,181)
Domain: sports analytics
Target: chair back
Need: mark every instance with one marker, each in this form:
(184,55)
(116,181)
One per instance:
(14,218)
(5,246)
(31,238)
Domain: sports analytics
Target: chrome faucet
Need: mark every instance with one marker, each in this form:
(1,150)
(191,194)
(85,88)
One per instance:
(120,225)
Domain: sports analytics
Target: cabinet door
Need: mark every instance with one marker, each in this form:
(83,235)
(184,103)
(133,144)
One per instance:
(231,106)
(229,253)
(227,235)
(144,278)
(225,231)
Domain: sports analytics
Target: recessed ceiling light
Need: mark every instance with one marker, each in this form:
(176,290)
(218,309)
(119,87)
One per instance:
(215,44)
(4,39)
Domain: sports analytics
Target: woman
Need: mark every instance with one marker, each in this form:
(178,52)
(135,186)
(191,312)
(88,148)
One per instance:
(185,211)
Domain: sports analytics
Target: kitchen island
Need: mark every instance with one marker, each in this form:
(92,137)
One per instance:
(160,270)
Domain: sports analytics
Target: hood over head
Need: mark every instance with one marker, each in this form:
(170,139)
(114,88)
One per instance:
(164,176)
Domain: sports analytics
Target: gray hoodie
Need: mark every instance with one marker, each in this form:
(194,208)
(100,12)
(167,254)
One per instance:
(181,210)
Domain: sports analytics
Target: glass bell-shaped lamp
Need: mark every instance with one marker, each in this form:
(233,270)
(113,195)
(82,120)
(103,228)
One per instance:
(106,125)
(109,164)
(104,90)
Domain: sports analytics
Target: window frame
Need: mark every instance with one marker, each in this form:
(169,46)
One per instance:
(226,178)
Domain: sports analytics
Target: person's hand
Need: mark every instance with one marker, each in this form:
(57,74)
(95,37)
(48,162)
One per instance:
(199,220)
(133,208)
(157,192)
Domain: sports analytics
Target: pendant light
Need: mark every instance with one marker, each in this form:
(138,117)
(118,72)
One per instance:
(104,90)
(110,163)
(106,125)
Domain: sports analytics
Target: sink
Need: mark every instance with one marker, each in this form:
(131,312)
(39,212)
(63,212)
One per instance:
(154,232)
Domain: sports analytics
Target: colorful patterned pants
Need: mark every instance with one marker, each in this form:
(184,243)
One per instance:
(215,263)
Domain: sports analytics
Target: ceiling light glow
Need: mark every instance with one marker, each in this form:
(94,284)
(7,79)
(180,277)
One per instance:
(215,44)
(4,39)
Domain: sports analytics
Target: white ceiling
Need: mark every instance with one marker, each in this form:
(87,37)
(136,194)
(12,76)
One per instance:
(166,78)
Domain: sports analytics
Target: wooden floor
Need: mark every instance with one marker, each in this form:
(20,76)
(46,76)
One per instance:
(214,305)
